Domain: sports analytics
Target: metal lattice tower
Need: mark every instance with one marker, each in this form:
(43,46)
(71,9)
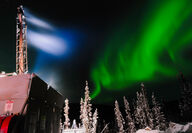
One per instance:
(21,42)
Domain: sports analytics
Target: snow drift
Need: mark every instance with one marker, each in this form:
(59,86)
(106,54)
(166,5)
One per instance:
(173,128)
(178,128)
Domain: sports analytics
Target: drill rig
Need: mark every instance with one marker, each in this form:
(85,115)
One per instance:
(21,42)
(27,103)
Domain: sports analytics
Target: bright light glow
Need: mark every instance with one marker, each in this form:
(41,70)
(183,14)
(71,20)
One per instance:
(51,78)
(47,42)
(31,19)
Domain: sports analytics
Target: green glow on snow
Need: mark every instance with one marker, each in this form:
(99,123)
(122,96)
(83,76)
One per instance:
(125,62)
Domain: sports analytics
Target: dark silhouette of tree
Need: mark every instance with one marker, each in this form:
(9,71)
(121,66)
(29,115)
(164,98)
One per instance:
(185,103)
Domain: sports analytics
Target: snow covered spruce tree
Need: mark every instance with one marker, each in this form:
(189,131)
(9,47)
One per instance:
(66,114)
(119,118)
(185,104)
(81,111)
(143,114)
(147,109)
(60,126)
(159,118)
(86,114)
(129,120)
(94,123)
(139,113)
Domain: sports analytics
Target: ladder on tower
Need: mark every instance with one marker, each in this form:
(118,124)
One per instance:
(21,42)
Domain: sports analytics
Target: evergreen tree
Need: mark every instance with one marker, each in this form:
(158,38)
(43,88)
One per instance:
(66,114)
(139,114)
(185,104)
(94,123)
(81,110)
(159,119)
(119,118)
(85,118)
(143,115)
(88,106)
(147,110)
(130,122)
(60,126)
(86,112)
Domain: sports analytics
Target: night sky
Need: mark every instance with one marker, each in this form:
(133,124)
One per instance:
(114,45)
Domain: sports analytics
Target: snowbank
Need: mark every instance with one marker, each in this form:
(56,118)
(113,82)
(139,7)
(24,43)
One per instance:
(79,130)
(173,128)
(148,131)
(178,128)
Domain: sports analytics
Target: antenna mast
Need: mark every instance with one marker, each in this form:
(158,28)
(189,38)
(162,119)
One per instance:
(21,42)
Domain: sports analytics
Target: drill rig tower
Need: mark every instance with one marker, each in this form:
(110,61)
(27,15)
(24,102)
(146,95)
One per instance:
(21,42)
(27,103)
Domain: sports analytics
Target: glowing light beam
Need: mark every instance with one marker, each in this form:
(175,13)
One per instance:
(48,43)
(36,21)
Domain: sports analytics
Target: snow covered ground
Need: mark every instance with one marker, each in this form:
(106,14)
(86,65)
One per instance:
(79,130)
(148,131)
(178,128)
(173,128)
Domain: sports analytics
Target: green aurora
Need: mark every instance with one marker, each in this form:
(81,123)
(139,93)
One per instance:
(162,36)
